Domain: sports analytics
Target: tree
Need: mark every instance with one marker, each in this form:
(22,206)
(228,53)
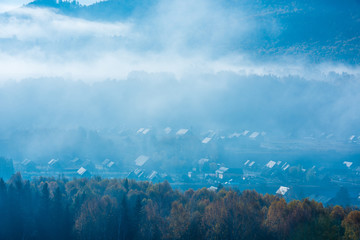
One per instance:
(3,209)
(44,223)
(179,221)
(352,226)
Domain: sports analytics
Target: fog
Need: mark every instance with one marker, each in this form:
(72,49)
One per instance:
(220,65)
(177,37)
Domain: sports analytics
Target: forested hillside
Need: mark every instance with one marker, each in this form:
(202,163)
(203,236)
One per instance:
(49,208)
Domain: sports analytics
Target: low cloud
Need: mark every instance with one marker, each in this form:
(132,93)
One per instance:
(176,37)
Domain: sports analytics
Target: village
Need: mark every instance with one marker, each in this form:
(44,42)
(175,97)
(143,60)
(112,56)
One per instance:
(237,160)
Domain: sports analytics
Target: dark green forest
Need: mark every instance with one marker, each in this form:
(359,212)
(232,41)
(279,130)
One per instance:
(96,208)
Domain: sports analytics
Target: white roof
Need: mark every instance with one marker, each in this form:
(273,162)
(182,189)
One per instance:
(141,160)
(26,161)
(182,131)
(286,167)
(146,131)
(203,160)
(271,164)
(330,135)
(81,171)
(206,140)
(223,169)
(352,137)
(235,134)
(106,161)
(278,163)
(212,188)
(140,130)
(245,132)
(110,164)
(247,161)
(348,164)
(254,135)
(152,175)
(167,130)
(52,161)
(99,166)
(282,190)
(252,163)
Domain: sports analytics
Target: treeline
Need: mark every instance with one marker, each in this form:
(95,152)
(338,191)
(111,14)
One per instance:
(96,208)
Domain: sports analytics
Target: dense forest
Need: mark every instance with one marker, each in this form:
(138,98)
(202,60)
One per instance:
(96,208)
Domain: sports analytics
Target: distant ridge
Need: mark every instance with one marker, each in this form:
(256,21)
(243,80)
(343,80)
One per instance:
(324,30)
(110,10)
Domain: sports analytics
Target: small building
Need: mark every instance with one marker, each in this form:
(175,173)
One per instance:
(270,164)
(54,164)
(76,162)
(206,140)
(182,131)
(254,135)
(167,130)
(154,176)
(140,130)
(146,131)
(347,164)
(28,165)
(212,188)
(141,160)
(83,172)
(282,190)
(105,162)
(220,172)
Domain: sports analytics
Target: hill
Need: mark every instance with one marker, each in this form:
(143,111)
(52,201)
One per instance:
(322,30)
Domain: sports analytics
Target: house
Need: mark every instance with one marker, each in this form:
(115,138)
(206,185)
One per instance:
(254,135)
(140,130)
(108,164)
(233,174)
(28,165)
(206,140)
(229,173)
(105,162)
(220,172)
(83,172)
(76,162)
(285,166)
(54,164)
(212,188)
(154,177)
(347,164)
(141,160)
(270,164)
(182,131)
(138,174)
(282,190)
(167,130)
